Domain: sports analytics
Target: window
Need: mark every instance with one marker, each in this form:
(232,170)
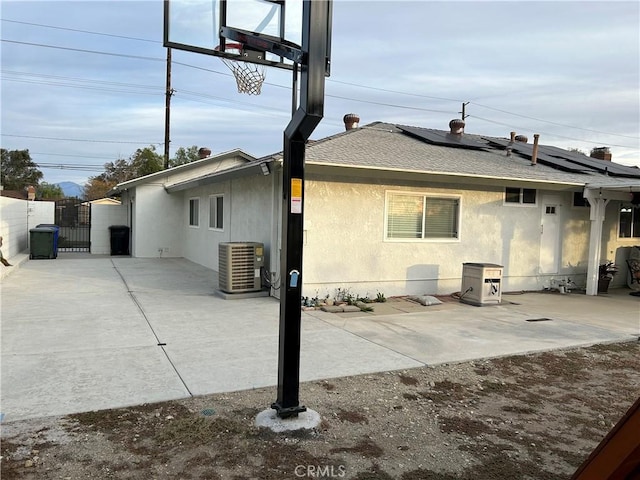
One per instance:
(216,217)
(579,200)
(629,221)
(194,212)
(525,196)
(422,216)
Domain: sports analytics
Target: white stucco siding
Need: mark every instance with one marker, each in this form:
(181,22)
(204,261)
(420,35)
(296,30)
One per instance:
(102,217)
(252,210)
(248,216)
(346,246)
(203,170)
(575,242)
(157,223)
(201,242)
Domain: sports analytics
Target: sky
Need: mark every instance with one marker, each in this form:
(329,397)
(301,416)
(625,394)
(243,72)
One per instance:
(84,82)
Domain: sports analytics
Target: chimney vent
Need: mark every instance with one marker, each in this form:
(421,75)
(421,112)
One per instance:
(351,121)
(521,138)
(31,192)
(457,126)
(204,152)
(513,137)
(601,153)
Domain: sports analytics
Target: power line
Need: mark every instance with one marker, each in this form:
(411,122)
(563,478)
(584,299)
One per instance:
(81,31)
(395,91)
(281,86)
(70,155)
(66,166)
(81,50)
(76,79)
(554,123)
(81,140)
(551,134)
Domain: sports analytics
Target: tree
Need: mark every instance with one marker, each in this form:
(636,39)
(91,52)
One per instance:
(183,156)
(49,191)
(17,170)
(144,161)
(96,188)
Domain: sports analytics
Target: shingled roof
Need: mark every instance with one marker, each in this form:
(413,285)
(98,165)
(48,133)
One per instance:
(385,146)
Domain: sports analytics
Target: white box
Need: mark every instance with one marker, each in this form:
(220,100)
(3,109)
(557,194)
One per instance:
(481,284)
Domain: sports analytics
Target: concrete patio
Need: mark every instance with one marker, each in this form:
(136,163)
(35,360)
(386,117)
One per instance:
(81,333)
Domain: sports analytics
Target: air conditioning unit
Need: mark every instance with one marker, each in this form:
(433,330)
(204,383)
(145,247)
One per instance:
(481,284)
(239,266)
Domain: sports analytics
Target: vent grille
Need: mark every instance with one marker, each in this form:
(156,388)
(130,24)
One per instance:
(239,266)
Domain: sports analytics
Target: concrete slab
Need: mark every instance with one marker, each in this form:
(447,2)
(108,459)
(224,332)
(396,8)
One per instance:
(63,382)
(82,332)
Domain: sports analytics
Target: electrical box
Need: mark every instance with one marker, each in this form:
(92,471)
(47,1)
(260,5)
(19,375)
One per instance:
(239,266)
(481,284)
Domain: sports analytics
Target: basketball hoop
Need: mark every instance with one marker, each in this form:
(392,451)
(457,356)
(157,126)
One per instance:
(249,76)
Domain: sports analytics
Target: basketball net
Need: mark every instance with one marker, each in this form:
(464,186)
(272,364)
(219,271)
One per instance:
(249,76)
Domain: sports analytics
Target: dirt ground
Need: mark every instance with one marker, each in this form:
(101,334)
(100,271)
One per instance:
(522,417)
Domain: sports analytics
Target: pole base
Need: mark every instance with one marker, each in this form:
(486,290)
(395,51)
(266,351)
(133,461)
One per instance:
(269,418)
(288,411)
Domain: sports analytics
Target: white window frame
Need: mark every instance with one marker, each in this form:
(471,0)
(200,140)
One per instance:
(197,212)
(635,212)
(423,239)
(520,202)
(214,227)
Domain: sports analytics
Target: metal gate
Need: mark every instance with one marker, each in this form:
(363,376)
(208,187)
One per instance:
(73,216)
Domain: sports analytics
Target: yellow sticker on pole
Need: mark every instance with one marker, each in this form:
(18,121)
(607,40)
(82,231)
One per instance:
(296,195)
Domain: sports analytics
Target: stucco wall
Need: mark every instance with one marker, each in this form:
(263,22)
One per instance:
(157,223)
(17,217)
(345,245)
(247,217)
(102,217)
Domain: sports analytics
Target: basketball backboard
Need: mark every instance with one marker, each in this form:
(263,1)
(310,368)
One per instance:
(271,27)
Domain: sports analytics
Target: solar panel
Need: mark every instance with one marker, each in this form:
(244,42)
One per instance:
(594,163)
(545,159)
(438,137)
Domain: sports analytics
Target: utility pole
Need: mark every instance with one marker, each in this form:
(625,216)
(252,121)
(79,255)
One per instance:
(167,110)
(464,115)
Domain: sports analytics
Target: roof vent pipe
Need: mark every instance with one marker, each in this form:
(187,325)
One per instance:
(534,155)
(457,126)
(521,138)
(351,121)
(510,145)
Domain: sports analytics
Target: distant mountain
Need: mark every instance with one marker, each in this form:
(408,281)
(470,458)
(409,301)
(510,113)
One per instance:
(71,189)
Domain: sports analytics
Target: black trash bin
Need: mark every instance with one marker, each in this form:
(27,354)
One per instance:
(41,243)
(119,239)
(56,236)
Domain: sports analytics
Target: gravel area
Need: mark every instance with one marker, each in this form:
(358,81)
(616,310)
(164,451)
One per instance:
(534,416)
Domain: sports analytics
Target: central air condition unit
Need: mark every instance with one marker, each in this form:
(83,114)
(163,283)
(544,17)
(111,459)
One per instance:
(239,266)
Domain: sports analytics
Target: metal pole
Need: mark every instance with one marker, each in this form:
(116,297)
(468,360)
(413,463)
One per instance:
(167,111)
(315,33)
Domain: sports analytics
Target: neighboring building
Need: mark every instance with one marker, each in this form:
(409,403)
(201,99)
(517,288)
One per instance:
(398,210)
